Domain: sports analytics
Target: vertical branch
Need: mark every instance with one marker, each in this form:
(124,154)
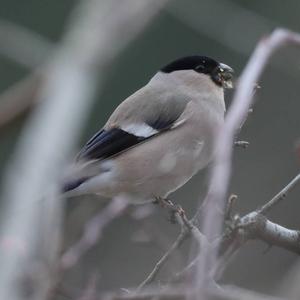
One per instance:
(98,31)
(221,170)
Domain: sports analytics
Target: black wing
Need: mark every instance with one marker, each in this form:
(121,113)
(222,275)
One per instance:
(107,143)
(112,141)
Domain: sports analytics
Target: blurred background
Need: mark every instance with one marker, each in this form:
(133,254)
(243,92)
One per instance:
(226,30)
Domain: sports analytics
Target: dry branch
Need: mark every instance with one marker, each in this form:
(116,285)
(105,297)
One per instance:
(221,170)
(163,260)
(224,292)
(239,230)
(187,227)
(253,225)
(257,226)
(280,196)
(70,81)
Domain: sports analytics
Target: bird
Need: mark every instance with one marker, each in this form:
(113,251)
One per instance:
(158,138)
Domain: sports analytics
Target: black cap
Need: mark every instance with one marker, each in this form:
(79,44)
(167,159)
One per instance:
(200,64)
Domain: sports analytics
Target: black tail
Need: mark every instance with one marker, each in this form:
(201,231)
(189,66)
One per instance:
(71,185)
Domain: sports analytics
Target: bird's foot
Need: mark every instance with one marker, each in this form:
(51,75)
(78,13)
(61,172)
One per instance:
(163,202)
(174,209)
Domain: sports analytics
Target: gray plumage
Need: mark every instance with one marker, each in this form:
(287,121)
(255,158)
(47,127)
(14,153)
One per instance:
(168,128)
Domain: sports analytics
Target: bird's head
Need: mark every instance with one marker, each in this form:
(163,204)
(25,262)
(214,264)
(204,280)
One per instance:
(219,73)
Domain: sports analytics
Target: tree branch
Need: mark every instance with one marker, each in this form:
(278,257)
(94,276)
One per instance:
(163,260)
(187,229)
(239,230)
(221,170)
(279,197)
(71,79)
(264,230)
(223,292)
(256,226)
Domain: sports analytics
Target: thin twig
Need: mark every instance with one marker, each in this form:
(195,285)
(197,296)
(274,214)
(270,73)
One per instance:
(178,214)
(216,292)
(229,209)
(256,226)
(252,226)
(242,144)
(162,261)
(279,197)
(187,228)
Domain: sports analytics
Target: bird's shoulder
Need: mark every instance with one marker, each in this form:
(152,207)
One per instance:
(155,104)
(143,115)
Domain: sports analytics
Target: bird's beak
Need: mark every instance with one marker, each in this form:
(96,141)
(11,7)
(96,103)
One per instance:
(225,74)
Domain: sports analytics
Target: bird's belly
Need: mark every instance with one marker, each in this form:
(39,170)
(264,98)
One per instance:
(188,164)
(159,166)
(168,173)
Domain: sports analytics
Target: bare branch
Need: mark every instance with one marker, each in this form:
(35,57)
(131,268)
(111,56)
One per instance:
(242,144)
(280,196)
(256,226)
(70,81)
(230,204)
(223,292)
(221,170)
(187,229)
(23,95)
(252,226)
(163,260)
